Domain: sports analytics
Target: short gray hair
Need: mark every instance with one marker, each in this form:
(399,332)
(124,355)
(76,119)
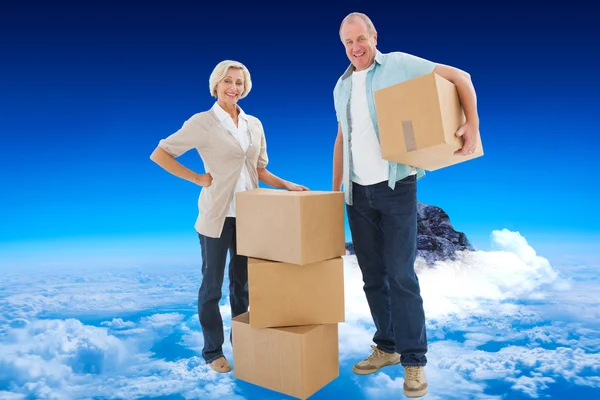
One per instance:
(220,72)
(370,27)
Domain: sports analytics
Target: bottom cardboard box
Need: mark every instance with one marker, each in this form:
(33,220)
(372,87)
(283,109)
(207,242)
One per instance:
(297,360)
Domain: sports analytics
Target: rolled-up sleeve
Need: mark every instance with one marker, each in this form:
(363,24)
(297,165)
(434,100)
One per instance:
(416,66)
(185,138)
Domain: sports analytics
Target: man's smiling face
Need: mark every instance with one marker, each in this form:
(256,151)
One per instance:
(359,43)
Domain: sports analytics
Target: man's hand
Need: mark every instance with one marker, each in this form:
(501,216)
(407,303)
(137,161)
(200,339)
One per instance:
(468,100)
(294,187)
(468,131)
(203,180)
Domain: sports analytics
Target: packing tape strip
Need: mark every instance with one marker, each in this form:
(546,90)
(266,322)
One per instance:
(409,136)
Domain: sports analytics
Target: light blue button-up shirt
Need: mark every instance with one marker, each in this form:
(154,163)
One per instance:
(389,69)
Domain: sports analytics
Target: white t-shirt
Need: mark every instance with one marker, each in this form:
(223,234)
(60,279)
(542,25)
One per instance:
(240,133)
(368,166)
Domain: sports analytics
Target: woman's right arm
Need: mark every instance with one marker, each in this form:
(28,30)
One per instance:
(187,137)
(170,164)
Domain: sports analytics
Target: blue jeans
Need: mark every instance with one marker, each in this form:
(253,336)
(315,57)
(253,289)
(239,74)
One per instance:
(383,223)
(214,256)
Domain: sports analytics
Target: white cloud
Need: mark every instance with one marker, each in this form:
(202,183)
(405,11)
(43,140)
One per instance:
(459,372)
(531,385)
(454,386)
(578,294)
(592,381)
(50,353)
(118,323)
(65,359)
(11,395)
(98,294)
(513,242)
(476,279)
(355,339)
(191,378)
(193,340)
(529,369)
(468,285)
(157,321)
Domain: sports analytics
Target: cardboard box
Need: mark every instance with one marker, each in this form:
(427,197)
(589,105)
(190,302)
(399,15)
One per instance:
(283,294)
(293,227)
(297,361)
(418,120)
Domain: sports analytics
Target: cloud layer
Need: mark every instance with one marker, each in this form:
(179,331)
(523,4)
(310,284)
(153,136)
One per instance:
(498,321)
(65,359)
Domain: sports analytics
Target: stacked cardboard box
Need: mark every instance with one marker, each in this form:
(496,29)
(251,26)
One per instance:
(418,119)
(294,241)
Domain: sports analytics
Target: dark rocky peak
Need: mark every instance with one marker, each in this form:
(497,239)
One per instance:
(437,240)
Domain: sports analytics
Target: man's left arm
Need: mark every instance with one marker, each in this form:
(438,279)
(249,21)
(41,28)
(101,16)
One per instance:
(417,66)
(468,99)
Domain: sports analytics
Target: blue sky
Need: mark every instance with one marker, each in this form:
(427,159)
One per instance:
(88,93)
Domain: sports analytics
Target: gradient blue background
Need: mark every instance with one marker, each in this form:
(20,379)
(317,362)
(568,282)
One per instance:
(88,91)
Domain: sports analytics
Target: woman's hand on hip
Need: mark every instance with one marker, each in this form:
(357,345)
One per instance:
(203,180)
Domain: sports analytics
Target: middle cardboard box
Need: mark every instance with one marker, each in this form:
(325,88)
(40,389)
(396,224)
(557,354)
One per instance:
(291,227)
(284,294)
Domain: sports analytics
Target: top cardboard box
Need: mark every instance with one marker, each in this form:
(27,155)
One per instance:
(293,227)
(417,122)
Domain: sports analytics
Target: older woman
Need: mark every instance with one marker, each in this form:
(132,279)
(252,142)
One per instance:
(232,145)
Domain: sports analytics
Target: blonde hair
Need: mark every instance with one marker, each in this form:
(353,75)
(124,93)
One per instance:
(220,72)
(370,27)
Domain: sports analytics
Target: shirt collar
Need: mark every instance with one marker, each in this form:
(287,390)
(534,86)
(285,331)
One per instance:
(351,68)
(222,115)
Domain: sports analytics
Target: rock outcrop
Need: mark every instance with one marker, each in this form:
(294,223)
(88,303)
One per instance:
(437,240)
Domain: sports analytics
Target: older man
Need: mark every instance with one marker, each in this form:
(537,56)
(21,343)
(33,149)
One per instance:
(381,197)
